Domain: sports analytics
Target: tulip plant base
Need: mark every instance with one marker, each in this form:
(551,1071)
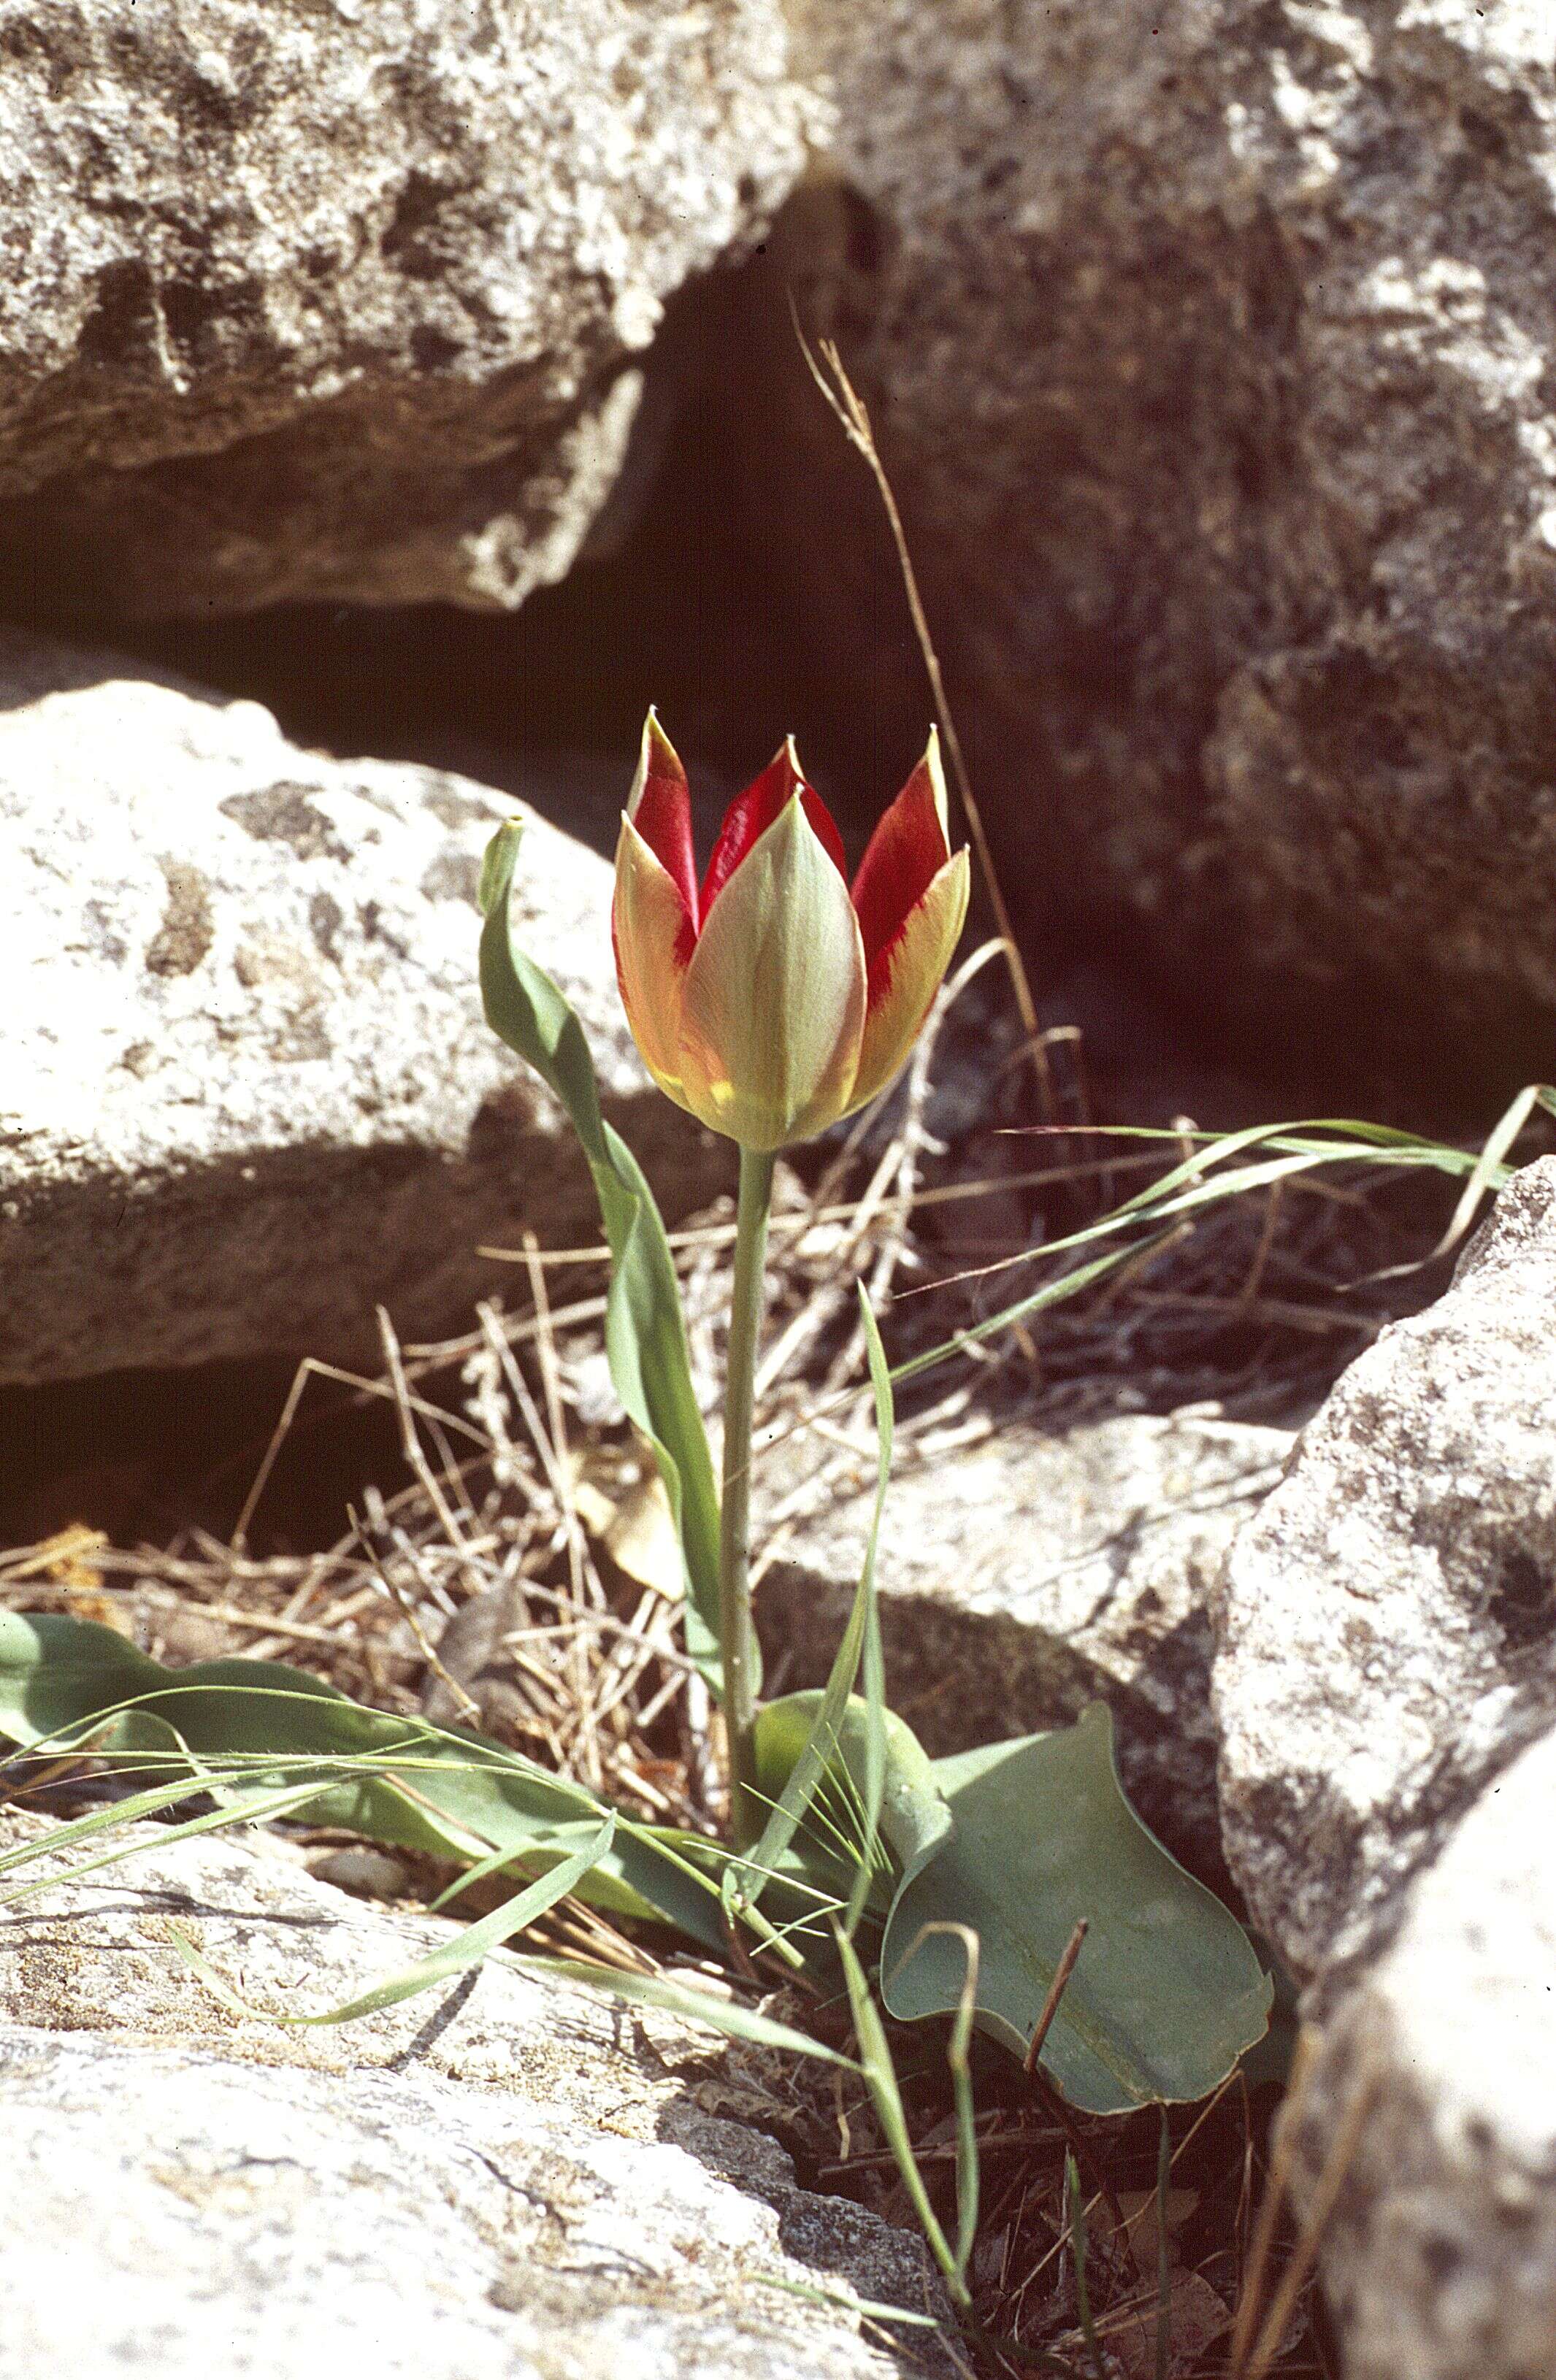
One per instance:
(1015,1840)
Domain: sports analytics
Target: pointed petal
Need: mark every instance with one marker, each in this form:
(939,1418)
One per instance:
(659,807)
(773,1007)
(651,935)
(751,813)
(912,974)
(906,852)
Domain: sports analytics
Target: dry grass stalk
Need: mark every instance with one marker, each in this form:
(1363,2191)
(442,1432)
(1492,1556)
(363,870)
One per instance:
(853,415)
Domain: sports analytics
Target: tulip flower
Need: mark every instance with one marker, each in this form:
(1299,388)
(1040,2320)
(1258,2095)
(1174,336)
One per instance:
(771,999)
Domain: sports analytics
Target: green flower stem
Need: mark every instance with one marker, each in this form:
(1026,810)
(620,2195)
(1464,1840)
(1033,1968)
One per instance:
(735,1511)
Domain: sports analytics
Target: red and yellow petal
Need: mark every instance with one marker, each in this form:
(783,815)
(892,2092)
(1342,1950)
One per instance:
(649,929)
(909,975)
(774,1003)
(751,813)
(659,807)
(906,853)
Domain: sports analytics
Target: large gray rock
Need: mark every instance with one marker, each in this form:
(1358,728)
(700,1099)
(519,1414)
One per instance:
(1441,2261)
(1385,1639)
(248,1091)
(1385,1686)
(1212,350)
(1026,1575)
(343,297)
(507,2177)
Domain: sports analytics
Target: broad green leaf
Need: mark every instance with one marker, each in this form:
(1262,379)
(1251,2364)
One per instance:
(398,1780)
(1167,1992)
(644,1329)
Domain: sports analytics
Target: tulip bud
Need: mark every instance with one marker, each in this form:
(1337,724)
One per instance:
(770,1001)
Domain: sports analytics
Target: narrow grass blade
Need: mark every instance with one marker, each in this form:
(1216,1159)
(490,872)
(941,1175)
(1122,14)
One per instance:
(861,1634)
(880,2082)
(466,1949)
(872,1658)
(1075,2211)
(396,1781)
(912,1818)
(1051,1293)
(1207,1176)
(251,1808)
(867,2309)
(1164,2252)
(1488,1174)
(125,1813)
(958,2058)
(678,1999)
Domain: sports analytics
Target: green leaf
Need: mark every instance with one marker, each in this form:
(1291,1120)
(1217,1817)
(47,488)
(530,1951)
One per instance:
(264,1727)
(644,1329)
(958,2058)
(1167,1992)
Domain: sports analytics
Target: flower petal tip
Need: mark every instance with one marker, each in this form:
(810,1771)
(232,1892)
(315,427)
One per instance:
(656,758)
(905,979)
(659,806)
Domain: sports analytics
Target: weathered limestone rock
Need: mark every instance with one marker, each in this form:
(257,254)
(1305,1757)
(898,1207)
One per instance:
(1212,350)
(343,297)
(1385,1686)
(247,1090)
(507,2177)
(1385,1644)
(1026,1575)
(1442,2257)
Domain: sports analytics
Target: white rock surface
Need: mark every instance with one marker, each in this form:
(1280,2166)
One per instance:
(1441,2261)
(1026,1575)
(343,297)
(1385,1642)
(503,2178)
(248,1091)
